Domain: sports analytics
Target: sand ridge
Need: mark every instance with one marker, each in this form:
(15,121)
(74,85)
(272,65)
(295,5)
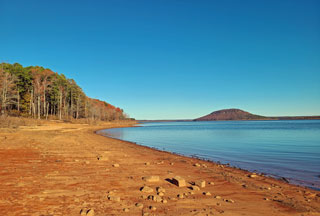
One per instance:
(62,168)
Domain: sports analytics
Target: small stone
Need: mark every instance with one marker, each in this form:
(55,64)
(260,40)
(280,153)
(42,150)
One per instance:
(116,165)
(114,198)
(211,183)
(195,188)
(180,182)
(229,200)
(147,163)
(191,192)
(207,193)
(151,178)
(204,165)
(253,176)
(146,189)
(180,196)
(160,194)
(144,196)
(157,198)
(201,183)
(152,208)
(218,204)
(197,165)
(164,201)
(171,164)
(217,197)
(87,212)
(161,189)
(126,210)
(139,205)
(266,198)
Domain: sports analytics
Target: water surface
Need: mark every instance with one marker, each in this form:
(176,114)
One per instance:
(289,149)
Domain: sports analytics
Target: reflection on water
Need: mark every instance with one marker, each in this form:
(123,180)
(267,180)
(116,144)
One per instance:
(289,149)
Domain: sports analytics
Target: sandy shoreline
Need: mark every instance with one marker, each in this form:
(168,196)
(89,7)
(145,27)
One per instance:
(54,170)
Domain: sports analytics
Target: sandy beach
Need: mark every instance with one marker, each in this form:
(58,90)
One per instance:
(67,169)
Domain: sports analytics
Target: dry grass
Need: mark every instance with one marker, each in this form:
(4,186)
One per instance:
(16,122)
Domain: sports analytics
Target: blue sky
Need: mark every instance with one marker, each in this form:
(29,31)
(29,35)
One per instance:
(182,59)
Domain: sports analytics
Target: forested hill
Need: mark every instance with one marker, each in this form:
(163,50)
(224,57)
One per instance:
(39,92)
(231,114)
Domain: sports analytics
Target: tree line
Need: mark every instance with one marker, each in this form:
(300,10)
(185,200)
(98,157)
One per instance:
(39,92)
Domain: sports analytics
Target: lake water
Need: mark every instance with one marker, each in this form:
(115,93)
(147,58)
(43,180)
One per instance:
(289,149)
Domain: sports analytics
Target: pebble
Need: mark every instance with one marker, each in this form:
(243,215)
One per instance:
(180,196)
(179,181)
(201,183)
(146,189)
(116,165)
(87,212)
(207,193)
(266,198)
(126,210)
(197,165)
(139,205)
(147,163)
(211,183)
(164,201)
(171,164)
(114,198)
(161,189)
(253,176)
(160,194)
(151,178)
(152,208)
(217,197)
(195,188)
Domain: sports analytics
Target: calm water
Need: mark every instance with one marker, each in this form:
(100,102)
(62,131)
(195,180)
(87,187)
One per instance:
(289,149)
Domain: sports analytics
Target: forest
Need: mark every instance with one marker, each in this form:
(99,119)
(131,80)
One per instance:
(40,93)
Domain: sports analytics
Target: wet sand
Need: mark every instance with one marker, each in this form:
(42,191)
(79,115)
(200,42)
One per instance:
(62,168)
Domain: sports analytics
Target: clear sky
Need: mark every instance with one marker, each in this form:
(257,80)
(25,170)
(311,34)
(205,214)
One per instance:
(175,59)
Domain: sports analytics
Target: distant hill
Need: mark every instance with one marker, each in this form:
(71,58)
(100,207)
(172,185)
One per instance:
(231,114)
(238,114)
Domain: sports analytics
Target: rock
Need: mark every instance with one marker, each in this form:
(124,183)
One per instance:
(266,198)
(160,194)
(191,192)
(171,164)
(253,176)
(195,188)
(126,210)
(180,196)
(197,165)
(151,178)
(201,183)
(87,212)
(116,165)
(217,197)
(229,200)
(164,201)
(152,208)
(144,196)
(139,205)
(207,193)
(146,189)
(211,183)
(161,189)
(114,198)
(157,198)
(102,158)
(204,165)
(180,182)
(147,163)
